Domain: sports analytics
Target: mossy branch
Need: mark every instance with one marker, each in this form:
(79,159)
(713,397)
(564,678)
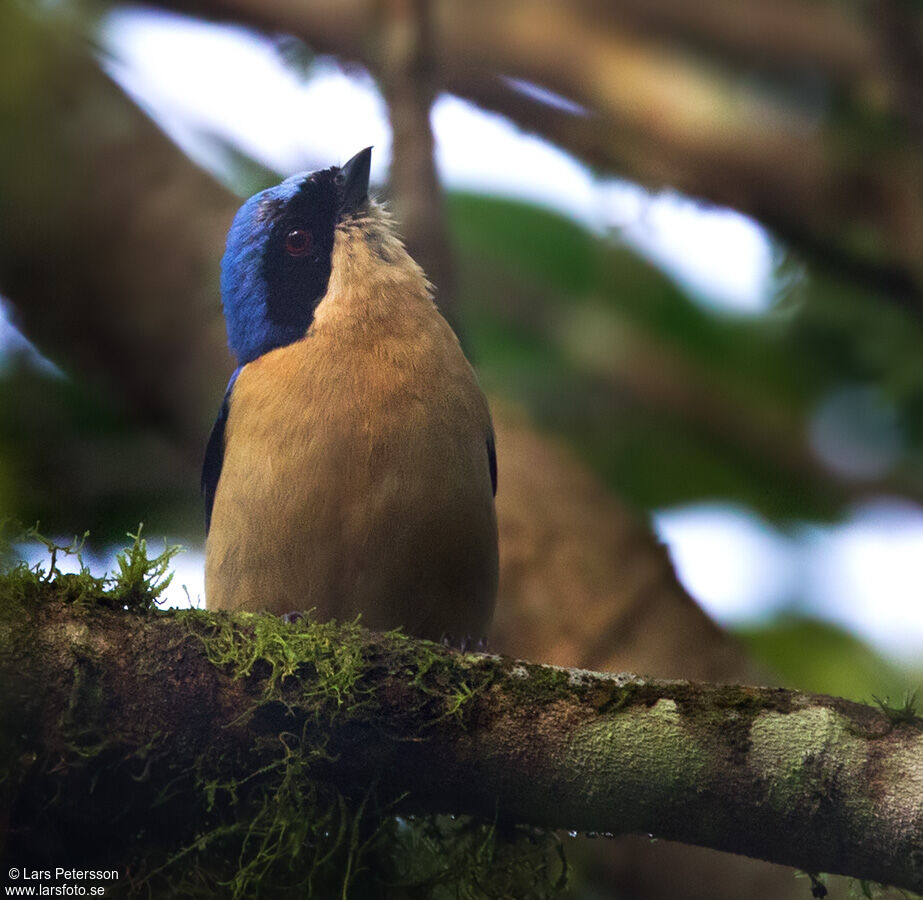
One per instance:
(117,715)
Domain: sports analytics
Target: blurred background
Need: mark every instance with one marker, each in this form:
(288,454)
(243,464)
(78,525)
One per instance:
(681,243)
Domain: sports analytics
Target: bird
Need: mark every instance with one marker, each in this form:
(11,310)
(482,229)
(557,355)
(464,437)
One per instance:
(352,469)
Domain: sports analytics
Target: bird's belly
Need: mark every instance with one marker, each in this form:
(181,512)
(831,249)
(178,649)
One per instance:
(391,520)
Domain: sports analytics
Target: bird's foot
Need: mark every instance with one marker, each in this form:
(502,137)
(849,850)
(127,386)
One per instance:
(467,644)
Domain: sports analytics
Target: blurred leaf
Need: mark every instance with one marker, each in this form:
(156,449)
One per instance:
(821,657)
(69,462)
(670,402)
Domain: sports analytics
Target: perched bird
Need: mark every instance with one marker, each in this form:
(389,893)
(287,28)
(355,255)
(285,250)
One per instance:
(352,467)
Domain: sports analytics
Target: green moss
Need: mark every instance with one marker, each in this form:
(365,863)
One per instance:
(316,663)
(140,581)
(905,714)
(302,835)
(451,857)
(136,586)
(279,830)
(729,711)
(304,832)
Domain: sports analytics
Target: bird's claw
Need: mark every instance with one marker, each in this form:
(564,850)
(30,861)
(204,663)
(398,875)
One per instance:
(467,644)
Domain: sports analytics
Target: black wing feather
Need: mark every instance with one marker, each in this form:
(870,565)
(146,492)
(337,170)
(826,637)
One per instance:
(214,454)
(492,460)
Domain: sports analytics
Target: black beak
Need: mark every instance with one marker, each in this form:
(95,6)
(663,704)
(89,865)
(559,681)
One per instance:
(355,175)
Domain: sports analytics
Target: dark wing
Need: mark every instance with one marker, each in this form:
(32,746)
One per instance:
(492,460)
(214,453)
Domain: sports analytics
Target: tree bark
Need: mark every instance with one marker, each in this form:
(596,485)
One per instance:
(805,780)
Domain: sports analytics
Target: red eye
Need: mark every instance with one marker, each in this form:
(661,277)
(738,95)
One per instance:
(298,242)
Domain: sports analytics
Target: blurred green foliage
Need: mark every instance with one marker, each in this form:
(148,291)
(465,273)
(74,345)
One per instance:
(73,464)
(823,658)
(670,402)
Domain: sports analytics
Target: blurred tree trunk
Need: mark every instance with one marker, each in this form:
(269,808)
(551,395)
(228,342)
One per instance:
(108,247)
(566,518)
(407,62)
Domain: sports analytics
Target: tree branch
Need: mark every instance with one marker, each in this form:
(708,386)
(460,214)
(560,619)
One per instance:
(786,34)
(805,780)
(667,119)
(408,62)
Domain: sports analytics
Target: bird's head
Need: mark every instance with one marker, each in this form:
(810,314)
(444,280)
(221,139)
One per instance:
(278,259)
